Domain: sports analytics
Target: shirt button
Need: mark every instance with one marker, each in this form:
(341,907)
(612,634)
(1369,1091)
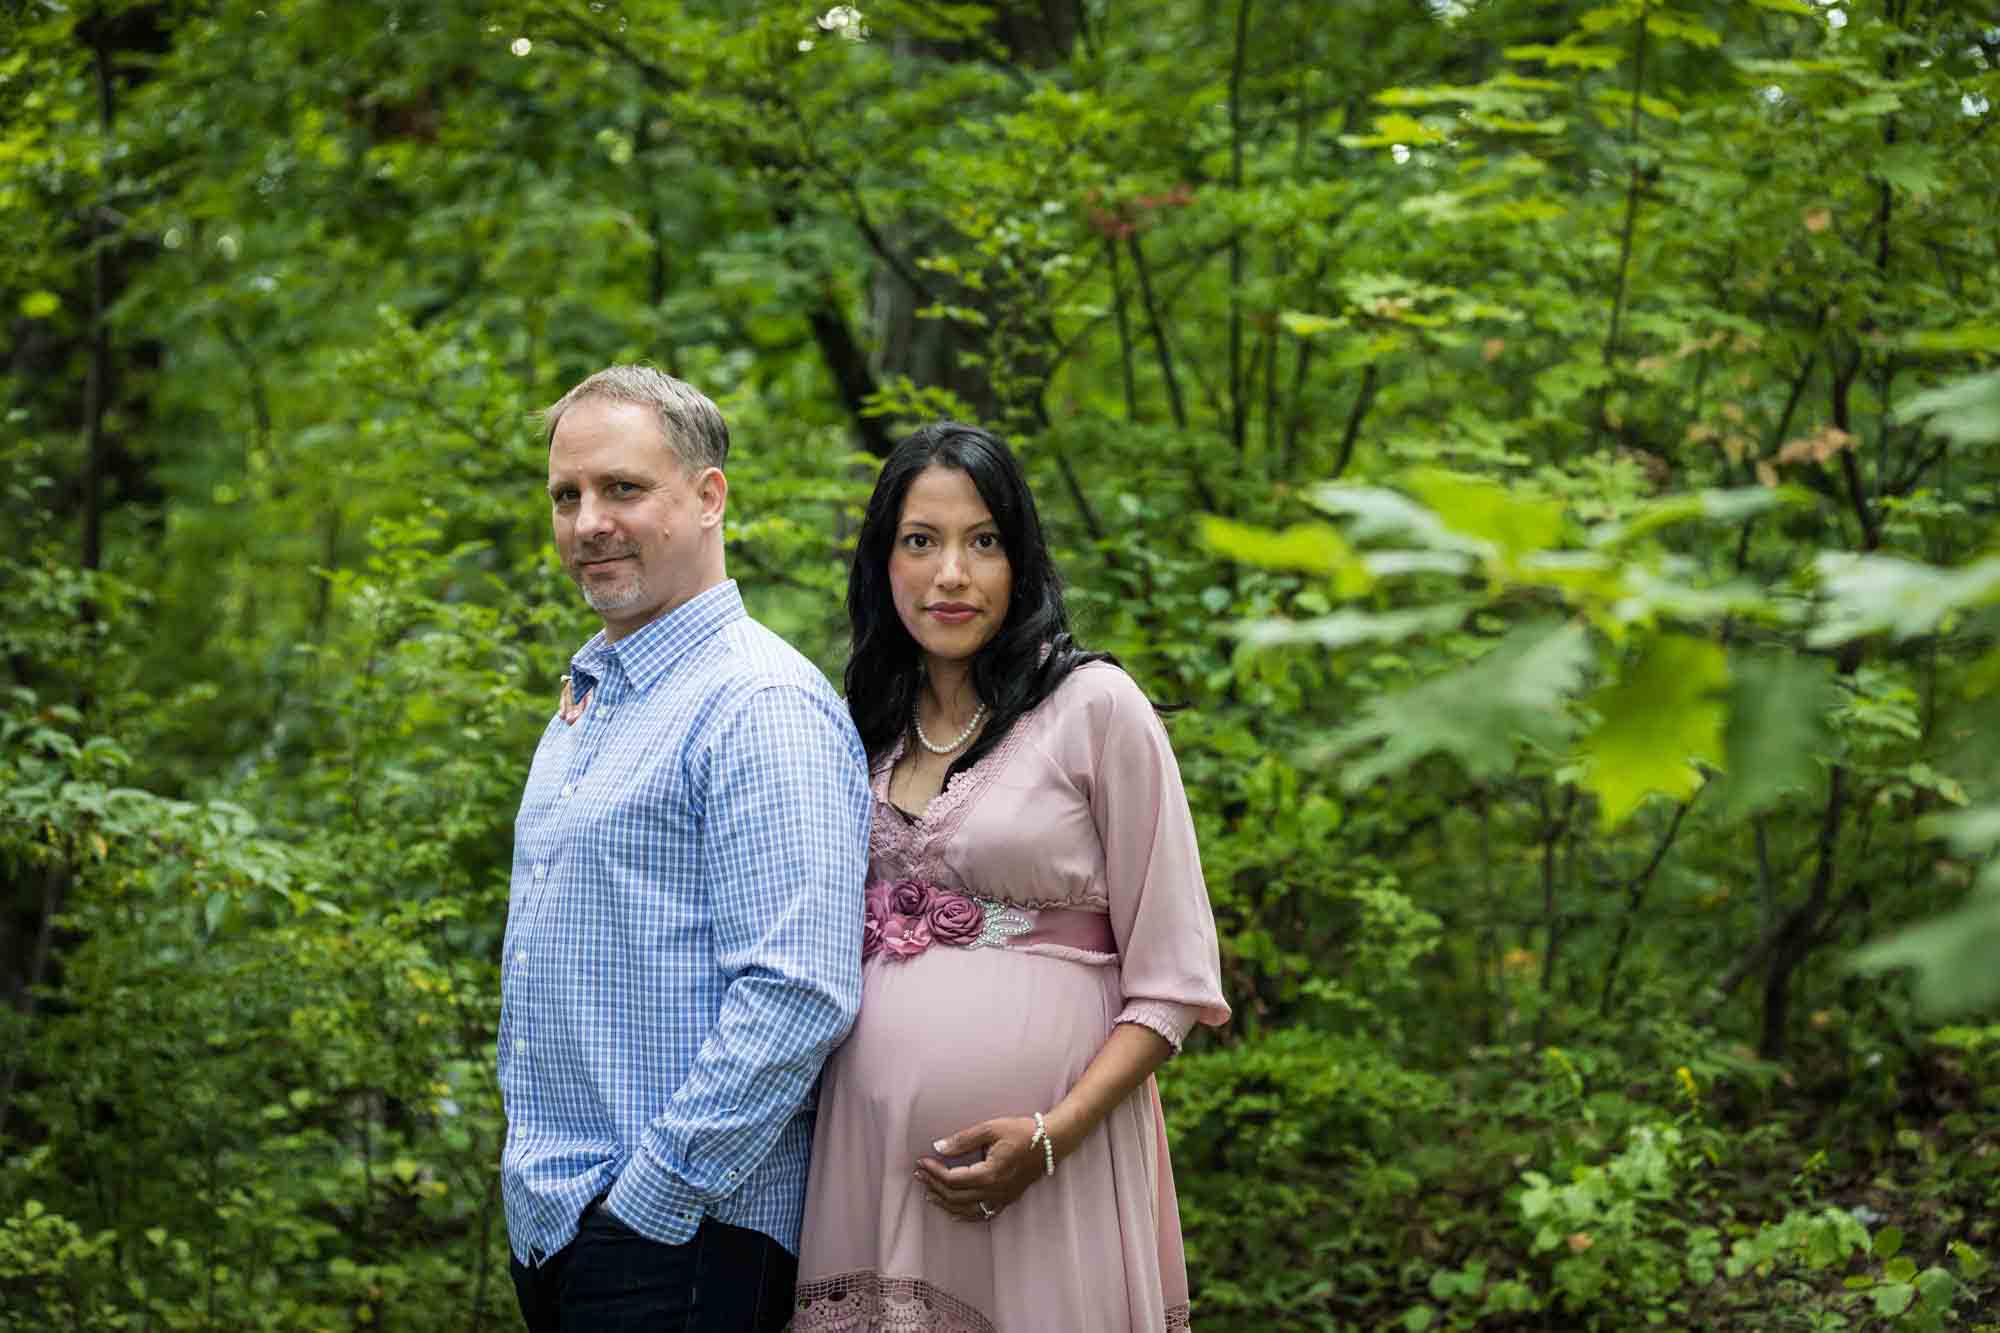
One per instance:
(606,715)
(520,955)
(540,869)
(568,788)
(520,1046)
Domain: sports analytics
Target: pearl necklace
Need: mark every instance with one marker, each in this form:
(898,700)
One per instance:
(916,718)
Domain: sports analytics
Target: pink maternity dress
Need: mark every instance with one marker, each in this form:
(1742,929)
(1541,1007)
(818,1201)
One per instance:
(1072,838)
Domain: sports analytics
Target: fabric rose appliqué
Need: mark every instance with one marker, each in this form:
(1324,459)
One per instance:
(955,919)
(905,918)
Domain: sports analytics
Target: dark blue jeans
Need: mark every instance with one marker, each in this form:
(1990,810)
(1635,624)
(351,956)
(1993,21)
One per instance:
(611,1279)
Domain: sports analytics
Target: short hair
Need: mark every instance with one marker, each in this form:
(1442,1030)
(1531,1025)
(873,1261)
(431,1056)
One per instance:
(692,425)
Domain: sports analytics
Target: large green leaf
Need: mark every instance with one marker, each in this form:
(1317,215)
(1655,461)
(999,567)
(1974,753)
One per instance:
(1344,629)
(1778,731)
(1951,955)
(1506,522)
(1478,715)
(1655,721)
(1871,594)
(1965,412)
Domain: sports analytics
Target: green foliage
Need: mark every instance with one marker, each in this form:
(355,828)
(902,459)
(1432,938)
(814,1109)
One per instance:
(1551,447)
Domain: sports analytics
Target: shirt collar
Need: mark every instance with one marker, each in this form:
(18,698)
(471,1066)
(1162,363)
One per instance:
(649,652)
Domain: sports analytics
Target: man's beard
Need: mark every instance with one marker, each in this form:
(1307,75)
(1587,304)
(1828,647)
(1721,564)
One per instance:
(620,596)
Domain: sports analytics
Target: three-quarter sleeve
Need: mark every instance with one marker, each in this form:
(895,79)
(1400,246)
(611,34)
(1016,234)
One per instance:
(1169,963)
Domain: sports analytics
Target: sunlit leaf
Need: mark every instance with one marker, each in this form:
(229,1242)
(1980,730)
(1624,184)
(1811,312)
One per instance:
(1316,547)
(1665,712)
(1510,521)
(1306,326)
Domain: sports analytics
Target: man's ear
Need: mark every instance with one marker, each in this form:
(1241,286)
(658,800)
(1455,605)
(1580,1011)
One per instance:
(711,488)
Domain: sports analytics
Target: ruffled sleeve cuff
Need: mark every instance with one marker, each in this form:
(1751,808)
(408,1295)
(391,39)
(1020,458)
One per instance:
(1170,1020)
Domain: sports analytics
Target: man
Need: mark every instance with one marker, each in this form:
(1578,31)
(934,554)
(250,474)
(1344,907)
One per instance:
(683,940)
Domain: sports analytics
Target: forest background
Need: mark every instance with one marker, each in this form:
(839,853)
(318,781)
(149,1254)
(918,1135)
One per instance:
(1551,448)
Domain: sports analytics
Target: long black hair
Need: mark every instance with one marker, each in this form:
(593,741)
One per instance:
(1011,673)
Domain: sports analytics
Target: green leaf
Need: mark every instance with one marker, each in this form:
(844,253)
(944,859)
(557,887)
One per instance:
(1581,55)
(1418,1318)
(1888,1243)
(1972,1265)
(1718,506)
(1344,629)
(1874,104)
(1952,956)
(40,304)
(1778,730)
(1478,715)
(1503,519)
(1965,338)
(1869,594)
(1303,325)
(1668,23)
(1315,547)
(1964,412)
(1937,1287)
(1663,713)
(1892,1298)
(1901,1269)
(1378,514)
(1911,167)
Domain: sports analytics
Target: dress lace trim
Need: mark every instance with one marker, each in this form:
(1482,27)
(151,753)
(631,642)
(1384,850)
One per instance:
(917,845)
(868,1302)
(1178,1319)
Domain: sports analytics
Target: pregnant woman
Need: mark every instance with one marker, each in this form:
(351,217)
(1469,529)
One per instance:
(990,1155)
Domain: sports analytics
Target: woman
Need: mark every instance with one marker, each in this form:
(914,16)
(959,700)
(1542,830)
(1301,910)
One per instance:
(990,1156)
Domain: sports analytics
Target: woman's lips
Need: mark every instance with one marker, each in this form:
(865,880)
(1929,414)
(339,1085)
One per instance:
(952,615)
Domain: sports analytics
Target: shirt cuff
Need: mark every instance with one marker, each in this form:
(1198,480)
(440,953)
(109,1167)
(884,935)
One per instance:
(654,1202)
(1170,1020)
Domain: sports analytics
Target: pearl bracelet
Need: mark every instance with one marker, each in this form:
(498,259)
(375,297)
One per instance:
(1048,1145)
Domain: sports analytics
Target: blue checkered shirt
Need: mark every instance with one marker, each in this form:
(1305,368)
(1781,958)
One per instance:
(684,937)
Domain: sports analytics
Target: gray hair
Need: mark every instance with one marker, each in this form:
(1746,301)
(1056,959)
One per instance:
(692,425)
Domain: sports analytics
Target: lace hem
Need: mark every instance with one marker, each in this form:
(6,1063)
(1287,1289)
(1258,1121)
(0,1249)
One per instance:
(1179,1320)
(871,1303)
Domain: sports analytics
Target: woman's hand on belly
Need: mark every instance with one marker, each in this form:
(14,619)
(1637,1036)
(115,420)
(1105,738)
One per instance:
(1012,1163)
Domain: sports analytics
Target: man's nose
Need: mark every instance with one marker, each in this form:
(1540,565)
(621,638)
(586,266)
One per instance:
(593,517)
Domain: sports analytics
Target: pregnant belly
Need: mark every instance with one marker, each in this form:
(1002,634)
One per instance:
(956,1036)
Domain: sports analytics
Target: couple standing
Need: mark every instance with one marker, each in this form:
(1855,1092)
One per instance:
(986,853)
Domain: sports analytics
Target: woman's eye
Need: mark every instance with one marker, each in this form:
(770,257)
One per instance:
(987,541)
(916,541)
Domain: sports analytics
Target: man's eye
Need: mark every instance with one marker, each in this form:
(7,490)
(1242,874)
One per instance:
(624,487)
(563,497)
